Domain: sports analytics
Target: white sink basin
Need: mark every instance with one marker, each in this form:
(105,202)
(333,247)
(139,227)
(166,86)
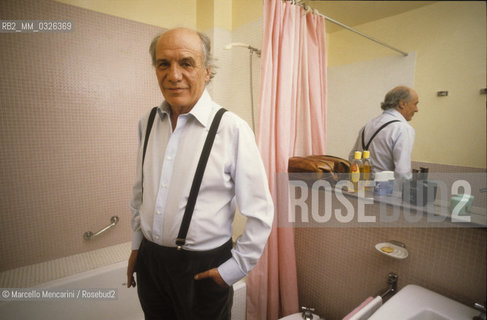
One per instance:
(417,303)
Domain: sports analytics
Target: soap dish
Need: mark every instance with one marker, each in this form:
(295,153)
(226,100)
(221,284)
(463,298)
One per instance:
(397,251)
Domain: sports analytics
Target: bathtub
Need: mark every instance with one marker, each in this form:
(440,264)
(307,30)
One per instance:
(124,306)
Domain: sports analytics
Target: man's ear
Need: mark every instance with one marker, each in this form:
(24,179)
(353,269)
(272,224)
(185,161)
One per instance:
(207,75)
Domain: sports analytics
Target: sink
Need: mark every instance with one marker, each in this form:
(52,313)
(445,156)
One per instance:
(428,315)
(417,303)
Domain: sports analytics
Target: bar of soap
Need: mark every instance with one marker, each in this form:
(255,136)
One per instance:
(387,249)
(392,250)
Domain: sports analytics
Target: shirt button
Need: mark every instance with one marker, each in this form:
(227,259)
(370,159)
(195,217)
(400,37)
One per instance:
(157,237)
(158,212)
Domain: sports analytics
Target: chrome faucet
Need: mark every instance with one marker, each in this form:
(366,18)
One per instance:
(307,313)
(482,315)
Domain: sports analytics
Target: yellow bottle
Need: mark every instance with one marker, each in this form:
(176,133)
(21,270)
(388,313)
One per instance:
(355,170)
(365,170)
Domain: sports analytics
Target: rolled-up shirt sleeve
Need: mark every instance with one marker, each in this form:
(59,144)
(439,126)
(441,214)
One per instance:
(254,202)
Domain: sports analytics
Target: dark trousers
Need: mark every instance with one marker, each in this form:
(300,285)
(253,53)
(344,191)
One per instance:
(166,287)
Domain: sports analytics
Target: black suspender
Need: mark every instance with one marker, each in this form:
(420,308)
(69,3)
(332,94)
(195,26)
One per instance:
(147,131)
(195,187)
(147,134)
(198,177)
(366,146)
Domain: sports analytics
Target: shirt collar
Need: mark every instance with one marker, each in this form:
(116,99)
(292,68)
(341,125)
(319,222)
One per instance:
(393,112)
(201,110)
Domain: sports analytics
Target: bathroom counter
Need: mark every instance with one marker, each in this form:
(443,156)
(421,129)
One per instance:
(437,212)
(316,203)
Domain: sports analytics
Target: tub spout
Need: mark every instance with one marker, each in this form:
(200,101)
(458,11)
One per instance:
(307,313)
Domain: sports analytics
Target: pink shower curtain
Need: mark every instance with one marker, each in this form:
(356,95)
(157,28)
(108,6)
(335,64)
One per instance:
(291,123)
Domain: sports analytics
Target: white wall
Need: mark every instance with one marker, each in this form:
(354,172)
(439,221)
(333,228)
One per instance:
(355,92)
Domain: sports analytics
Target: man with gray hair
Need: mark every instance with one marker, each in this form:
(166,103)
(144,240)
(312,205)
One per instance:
(196,163)
(389,137)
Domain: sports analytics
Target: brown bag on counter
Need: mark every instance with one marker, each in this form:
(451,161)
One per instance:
(323,166)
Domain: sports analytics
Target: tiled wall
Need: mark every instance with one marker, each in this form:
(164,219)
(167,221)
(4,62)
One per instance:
(339,267)
(69,107)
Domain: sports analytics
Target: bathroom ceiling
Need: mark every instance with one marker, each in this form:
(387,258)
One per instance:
(353,13)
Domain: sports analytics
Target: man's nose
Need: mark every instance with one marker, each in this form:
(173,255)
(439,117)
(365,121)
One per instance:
(174,73)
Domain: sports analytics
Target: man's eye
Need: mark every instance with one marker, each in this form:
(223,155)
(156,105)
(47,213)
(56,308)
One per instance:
(163,65)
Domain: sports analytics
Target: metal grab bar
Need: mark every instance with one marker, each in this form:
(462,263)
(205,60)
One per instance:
(88,235)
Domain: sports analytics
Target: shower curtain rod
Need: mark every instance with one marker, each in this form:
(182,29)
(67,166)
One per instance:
(363,35)
(307,8)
